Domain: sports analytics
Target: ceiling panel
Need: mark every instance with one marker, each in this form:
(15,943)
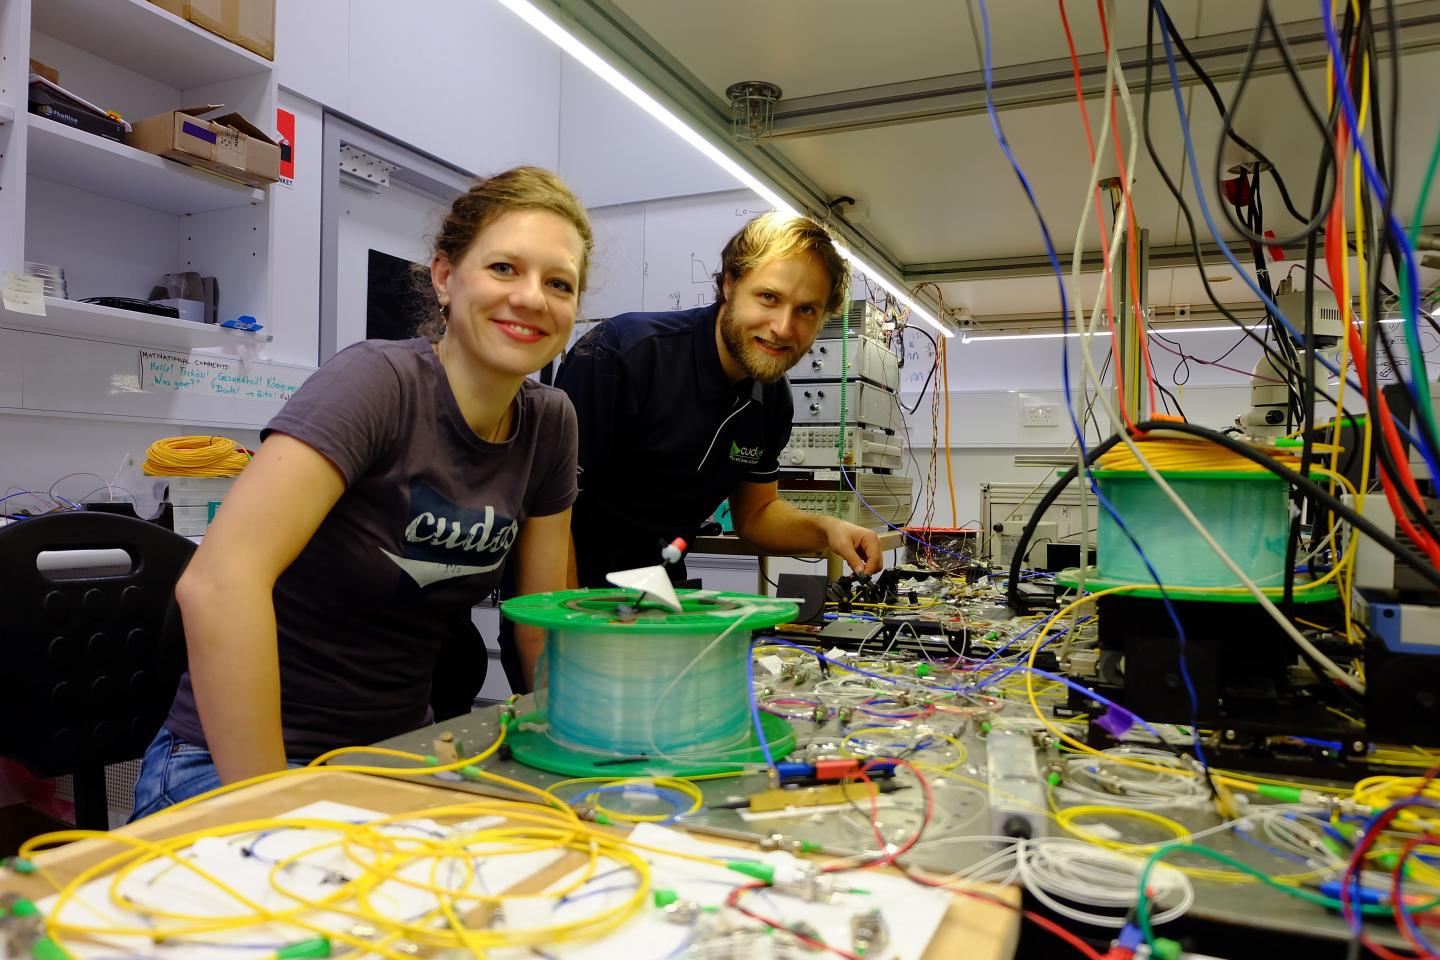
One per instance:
(811,47)
(943,190)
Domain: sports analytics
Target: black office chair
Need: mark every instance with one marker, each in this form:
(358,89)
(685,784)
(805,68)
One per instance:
(94,654)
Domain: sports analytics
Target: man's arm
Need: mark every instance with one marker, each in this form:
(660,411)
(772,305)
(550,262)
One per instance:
(774,526)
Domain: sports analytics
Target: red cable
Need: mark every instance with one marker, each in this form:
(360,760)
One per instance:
(1399,904)
(1335,227)
(733,901)
(1099,220)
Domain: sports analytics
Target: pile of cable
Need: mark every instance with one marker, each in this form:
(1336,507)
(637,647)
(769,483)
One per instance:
(195,457)
(1068,874)
(1188,456)
(1165,781)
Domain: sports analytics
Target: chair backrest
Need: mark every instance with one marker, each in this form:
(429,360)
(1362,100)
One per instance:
(93,656)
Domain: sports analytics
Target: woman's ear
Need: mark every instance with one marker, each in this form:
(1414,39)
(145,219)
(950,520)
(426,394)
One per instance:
(440,270)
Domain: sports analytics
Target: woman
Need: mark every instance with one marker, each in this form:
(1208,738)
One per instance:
(382,505)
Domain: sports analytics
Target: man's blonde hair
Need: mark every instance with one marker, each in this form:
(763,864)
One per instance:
(772,236)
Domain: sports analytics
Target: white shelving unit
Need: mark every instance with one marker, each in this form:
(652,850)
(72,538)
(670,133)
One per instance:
(112,169)
(73,318)
(141,37)
(7,114)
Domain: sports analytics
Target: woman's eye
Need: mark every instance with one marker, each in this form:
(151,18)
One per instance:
(562,285)
(504,268)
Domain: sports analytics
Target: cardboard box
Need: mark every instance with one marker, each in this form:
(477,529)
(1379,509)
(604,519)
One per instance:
(230,145)
(249,23)
(45,70)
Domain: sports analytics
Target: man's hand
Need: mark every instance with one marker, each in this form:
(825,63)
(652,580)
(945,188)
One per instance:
(857,546)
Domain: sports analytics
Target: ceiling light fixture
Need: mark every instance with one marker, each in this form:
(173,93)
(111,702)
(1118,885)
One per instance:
(596,64)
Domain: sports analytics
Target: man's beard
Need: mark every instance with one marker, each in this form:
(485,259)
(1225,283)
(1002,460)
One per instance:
(756,363)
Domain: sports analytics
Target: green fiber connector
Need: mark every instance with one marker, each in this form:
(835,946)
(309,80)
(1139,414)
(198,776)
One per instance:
(431,760)
(22,865)
(663,898)
(763,872)
(1277,792)
(984,726)
(922,669)
(603,820)
(24,908)
(1167,949)
(1053,778)
(1289,442)
(807,846)
(47,949)
(470,772)
(305,949)
(992,635)
(1389,860)
(1348,830)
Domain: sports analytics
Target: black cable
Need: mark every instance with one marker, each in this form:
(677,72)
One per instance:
(1175,191)
(1228,116)
(1240,141)
(935,348)
(1012,588)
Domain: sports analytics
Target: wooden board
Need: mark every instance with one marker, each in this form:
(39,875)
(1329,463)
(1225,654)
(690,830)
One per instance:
(972,929)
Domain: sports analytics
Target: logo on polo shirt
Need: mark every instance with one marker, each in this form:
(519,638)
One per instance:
(750,455)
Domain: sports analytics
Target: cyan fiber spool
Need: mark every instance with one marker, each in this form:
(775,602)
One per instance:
(1247,512)
(663,687)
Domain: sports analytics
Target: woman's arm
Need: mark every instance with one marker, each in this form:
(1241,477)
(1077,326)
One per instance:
(544,561)
(226,598)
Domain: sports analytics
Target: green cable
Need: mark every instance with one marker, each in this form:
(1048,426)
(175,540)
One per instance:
(1142,903)
(1417,356)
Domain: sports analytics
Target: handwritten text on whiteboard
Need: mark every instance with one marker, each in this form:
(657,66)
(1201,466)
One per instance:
(215,376)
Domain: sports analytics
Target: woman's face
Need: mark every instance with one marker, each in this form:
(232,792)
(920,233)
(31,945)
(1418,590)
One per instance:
(514,292)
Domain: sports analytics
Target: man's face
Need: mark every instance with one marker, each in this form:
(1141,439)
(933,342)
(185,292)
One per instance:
(771,316)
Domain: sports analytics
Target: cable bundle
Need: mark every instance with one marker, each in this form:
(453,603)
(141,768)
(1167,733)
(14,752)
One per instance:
(195,457)
(1186,456)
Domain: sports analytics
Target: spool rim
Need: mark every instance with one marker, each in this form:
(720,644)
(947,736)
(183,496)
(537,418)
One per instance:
(705,611)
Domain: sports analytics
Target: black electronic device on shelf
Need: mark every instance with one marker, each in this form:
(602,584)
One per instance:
(130,303)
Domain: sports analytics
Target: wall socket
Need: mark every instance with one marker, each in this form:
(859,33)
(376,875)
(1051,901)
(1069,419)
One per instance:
(1040,415)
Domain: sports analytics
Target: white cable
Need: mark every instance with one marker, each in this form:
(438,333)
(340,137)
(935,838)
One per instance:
(1328,665)
(1052,868)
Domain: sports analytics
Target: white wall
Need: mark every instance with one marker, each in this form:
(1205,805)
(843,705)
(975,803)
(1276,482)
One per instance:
(463,80)
(613,152)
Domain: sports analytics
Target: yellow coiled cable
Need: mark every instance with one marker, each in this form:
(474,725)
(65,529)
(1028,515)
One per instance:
(195,457)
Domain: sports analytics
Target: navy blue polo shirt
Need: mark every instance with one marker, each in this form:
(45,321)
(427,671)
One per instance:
(664,436)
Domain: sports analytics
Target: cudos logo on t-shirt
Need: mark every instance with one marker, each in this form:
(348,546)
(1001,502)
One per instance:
(443,540)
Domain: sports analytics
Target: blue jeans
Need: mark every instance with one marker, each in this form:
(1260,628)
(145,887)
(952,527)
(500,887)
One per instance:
(173,770)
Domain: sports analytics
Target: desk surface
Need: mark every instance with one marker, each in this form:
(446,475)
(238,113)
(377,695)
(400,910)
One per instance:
(732,546)
(961,813)
(971,928)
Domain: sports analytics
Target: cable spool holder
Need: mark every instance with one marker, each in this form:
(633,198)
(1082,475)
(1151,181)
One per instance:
(599,611)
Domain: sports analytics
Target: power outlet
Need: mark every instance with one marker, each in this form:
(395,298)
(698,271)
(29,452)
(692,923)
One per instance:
(1040,415)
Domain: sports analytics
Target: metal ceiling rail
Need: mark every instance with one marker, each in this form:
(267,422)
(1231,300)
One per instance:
(1051,81)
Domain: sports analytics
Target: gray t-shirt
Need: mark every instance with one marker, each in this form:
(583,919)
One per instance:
(429,514)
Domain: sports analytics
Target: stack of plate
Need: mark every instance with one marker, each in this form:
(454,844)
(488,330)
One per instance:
(53,276)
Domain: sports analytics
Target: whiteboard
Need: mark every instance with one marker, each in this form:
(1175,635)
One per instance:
(616,283)
(683,240)
(211,376)
(72,376)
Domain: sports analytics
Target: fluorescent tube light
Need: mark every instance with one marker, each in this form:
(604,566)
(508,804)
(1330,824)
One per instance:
(597,65)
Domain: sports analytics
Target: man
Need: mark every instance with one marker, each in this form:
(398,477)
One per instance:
(680,410)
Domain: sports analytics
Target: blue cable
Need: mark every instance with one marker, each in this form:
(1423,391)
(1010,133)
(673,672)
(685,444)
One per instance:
(755,704)
(776,641)
(1225,248)
(1065,376)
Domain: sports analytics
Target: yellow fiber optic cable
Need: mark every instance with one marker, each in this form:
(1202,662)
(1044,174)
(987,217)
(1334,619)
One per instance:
(195,457)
